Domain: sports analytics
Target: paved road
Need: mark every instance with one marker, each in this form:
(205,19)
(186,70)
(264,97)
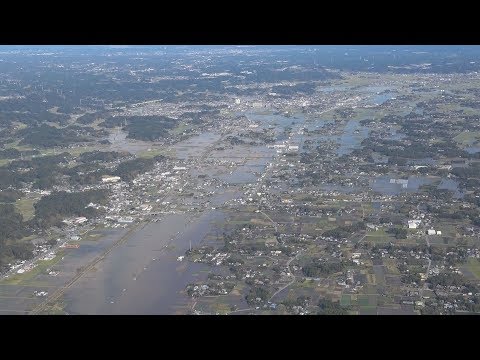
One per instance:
(269,218)
(425,286)
(293,277)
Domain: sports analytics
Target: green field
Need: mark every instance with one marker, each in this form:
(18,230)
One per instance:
(361,114)
(381,232)
(73,151)
(448,228)
(391,266)
(362,300)
(355,81)
(467,137)
(15,145)
(56,309)
(25,207)
(41,267)
(154,152)
(221,308)
(346,300)
(180,129)
(308,284)
(378,236)
(324,224)
(449,108)
(473,266)
(368,310)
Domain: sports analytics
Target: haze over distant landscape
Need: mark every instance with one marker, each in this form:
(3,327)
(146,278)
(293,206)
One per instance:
(338,180)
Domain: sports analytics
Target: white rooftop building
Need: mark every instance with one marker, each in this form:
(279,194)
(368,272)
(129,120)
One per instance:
(413,224)
(80,220)
(111,179)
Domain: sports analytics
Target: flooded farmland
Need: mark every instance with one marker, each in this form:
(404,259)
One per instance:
(146,272)
(143,276)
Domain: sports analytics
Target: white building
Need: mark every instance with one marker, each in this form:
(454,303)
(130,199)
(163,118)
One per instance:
(373,227)
(413,224)
(431,232)
(111,179)
(403,182)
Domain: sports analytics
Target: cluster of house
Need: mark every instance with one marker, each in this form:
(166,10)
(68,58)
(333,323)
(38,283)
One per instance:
(414,224)
(403,182)
(75,221)
(284,148)
(40,293)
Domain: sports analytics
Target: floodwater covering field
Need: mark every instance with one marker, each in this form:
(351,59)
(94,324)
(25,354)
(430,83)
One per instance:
(119,142)
(143,276)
